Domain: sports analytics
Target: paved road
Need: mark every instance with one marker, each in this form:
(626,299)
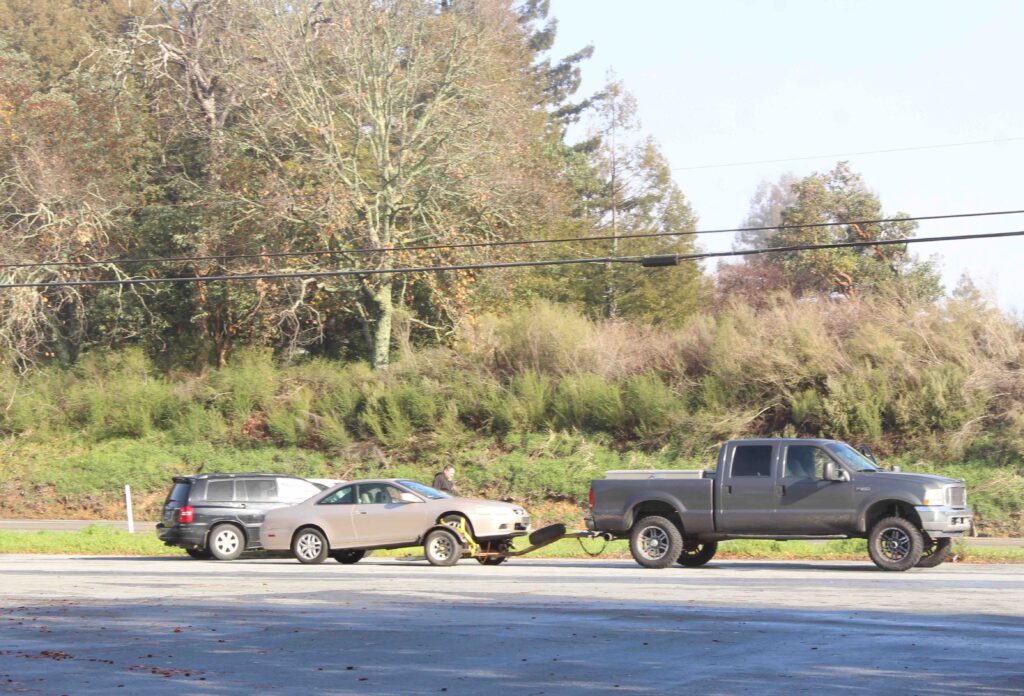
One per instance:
(92,625)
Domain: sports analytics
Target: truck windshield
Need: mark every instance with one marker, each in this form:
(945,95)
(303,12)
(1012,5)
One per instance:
(851,457)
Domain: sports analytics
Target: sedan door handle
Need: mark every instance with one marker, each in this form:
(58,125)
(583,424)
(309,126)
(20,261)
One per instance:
(362,512)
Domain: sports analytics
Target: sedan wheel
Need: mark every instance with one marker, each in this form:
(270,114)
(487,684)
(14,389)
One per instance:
(349,556)
(310,546)
(226,542)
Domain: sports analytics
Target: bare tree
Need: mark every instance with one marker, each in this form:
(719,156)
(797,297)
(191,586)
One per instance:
(409,118)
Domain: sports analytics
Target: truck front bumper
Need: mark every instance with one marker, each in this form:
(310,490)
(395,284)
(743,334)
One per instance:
(940,521)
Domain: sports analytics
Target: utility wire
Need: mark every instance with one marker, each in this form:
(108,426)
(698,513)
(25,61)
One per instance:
(847,154)
(645,261)
(504,243)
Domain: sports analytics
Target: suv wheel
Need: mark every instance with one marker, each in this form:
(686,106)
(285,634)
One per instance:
(442,548)
(895,544)
(349,556)
(696,555)
(226,542)
(655,542)
(310,546)
(935,552)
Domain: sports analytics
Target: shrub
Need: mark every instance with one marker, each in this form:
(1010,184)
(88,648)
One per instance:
(589,402)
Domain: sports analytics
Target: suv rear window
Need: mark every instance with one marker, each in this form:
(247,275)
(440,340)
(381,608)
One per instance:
(179,494)
(223,489)
(262,490)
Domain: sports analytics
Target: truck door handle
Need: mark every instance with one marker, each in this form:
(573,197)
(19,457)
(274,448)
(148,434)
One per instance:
(728,489)
(782,489)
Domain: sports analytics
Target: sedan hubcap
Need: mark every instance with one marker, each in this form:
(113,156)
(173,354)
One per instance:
(894,544)
(653,543)
(310,546)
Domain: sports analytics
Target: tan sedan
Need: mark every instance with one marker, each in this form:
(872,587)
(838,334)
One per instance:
(346,521)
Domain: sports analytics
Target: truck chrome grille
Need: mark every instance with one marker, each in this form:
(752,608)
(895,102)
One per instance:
(957,497)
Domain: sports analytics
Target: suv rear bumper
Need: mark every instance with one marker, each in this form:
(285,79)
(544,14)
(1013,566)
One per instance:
(940,521)
(187,537)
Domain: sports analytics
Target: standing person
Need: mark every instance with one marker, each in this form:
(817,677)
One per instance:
(445,480)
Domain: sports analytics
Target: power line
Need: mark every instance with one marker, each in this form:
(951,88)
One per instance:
(645,261)
(492,244)
(848,154)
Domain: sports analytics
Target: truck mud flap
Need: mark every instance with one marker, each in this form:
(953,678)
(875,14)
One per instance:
(547,534)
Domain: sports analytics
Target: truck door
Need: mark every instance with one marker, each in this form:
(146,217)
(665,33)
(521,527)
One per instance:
(807,503)
(746,504)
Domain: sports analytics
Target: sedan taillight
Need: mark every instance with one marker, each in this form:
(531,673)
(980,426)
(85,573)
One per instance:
(186,515)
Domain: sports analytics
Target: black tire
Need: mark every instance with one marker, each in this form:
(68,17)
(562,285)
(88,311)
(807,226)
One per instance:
(895,544)
(491,560)
(226,542)
(348,557)
(442,548)
(935,552)
(310,546)
(655,542)
(199,554)
(698,555)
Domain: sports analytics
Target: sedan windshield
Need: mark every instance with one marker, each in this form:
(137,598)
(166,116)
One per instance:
(851,457)
(425,491)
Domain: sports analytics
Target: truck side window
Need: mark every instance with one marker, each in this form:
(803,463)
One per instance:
(752,460)
(805,461)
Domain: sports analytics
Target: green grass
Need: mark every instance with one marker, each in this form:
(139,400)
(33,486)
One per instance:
(98,540)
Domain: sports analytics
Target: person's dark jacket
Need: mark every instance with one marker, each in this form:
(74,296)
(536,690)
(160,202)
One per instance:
(443,483)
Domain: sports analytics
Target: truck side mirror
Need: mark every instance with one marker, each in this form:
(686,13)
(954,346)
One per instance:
(834,473)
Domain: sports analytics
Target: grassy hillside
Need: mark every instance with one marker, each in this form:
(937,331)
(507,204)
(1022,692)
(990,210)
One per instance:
(534,405)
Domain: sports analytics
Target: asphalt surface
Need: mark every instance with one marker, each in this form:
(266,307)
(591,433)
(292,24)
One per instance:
(97,625)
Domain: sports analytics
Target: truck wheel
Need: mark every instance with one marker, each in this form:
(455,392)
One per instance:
(895,544)
(698,555)
(442,548)
(935,552)
(226,542)
(655,542)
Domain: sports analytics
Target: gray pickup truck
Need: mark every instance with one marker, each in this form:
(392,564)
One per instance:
(781,489)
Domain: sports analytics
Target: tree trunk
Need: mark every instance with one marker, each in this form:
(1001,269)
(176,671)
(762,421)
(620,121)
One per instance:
(384,310)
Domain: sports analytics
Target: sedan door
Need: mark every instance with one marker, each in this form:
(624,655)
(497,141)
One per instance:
(381,517)
(807,503)
(334,514)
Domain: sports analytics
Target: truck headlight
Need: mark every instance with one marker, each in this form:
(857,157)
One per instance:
(934,497)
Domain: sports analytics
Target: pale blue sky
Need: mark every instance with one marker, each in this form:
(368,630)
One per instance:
(731,81)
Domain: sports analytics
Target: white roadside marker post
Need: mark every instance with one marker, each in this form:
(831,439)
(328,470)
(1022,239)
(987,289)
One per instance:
(128,508)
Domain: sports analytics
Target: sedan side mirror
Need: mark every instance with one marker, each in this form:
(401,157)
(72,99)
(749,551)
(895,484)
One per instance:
(409,498)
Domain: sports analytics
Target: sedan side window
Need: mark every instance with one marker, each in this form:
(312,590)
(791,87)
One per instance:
(805,461)
(378,494)
(342,496)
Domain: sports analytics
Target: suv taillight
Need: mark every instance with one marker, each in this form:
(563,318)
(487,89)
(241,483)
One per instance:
(186,515)
(590,498)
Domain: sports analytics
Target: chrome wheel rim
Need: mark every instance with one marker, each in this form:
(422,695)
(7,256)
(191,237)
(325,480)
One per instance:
(309,546)
(894,544)
(653,543)
(226,542)
(441,547)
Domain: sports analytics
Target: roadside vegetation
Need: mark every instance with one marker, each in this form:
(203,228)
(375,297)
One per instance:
(533,405)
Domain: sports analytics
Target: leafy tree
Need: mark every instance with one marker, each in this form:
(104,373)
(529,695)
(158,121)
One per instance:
(835,197)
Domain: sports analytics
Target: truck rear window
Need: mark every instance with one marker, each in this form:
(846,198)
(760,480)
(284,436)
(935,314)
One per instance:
(752,460)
